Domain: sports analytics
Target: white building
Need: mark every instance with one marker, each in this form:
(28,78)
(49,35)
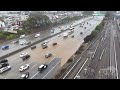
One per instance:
(2,24)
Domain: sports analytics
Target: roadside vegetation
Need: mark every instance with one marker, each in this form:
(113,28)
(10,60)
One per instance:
(4,36)
(94,32)
(35,23)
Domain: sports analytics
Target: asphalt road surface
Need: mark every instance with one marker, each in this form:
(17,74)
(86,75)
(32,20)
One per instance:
(65,49)
(101,60)
(14,47)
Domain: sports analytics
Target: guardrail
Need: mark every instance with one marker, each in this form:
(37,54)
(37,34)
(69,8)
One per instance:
(11,53)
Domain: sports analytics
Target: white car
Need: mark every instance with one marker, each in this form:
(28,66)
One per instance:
(52,31)
(22,36)
(23,54)
(5,69)
(46,41)
(37,35)
(23,42)
(58,35)
(23,68)
(65,34)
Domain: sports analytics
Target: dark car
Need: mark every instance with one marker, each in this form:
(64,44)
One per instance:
(5,47)
(33,47)
(26,57)
(42,67)
(54,44)
(15,42)
(84,27)
(81,32)
(27,43)
(25,75)
(72,36)
(3,61)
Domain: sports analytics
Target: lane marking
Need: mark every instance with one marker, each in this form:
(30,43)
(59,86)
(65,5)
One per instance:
(50,70)
(102,54)
(34,65)
(71,68)
(81,68)
(38,71)
(115,59)
(34,75)
(95,50)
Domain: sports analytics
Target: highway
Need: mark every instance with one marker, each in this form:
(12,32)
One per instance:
(65,49)
(44,34)
(101,60)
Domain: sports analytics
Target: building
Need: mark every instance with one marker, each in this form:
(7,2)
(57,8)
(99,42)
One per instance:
(2,24)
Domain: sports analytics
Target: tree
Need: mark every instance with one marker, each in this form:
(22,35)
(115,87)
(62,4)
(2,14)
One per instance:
(37,21)
(88,38)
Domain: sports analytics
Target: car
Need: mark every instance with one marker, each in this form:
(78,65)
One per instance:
(23,42)
(25,75)
(23,68)
(65,34)
(44,45)
(52,31)
(5,47)
(58,35)
(72,36)
(3,61)
(23,54)
(27,43)
(15,42)
(84,27)
(81,32)
(37,35)
(4,69)
(46,41)
(25,57)
(33,47)
(22,36)
(70,32)
(4,64)
(48,55)
(42,67)
(71,28)
(54,44)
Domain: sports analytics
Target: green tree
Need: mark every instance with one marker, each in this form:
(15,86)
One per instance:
(37,21)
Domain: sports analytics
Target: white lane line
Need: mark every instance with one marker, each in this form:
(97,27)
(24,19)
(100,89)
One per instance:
(81,68)
(38,71)
(34,65)
(95,50)
(110,52)
(102,54)
(115,60)
(71,68)
(34,75)
(50,70)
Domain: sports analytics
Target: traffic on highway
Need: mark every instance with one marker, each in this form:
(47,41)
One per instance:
(88,47)
(36,58)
